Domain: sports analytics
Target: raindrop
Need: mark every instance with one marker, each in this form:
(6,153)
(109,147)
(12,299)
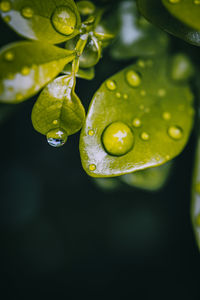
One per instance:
(9,56)
(91,132)
(166,116)
(56,137)
(64,20)
(27,12)
(92,167)
(117,139)
(55,122)
(111,85)
(144,136)
(175,132)
(5,6)
(137,122)
(133,78)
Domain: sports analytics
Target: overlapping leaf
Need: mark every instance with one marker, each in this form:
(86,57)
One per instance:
(87,74)
(152,117)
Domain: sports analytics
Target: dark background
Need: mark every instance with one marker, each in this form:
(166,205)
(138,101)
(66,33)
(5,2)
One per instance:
(60,231)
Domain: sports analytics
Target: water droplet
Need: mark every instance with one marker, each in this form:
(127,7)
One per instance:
(144,136)
(64,20)
(118,95)
(118,139)
(7,19)
(197,188)
(137,122)
(141,63)
(111,85)
(19,96)
(27,12)
(5,6)
(133,78)
(56,137)
(55,122)
(91,132)
(174,1)
(25,71)
(197,2)
(166,116)
(161,92)
(125,96)
(92,167)
(9,56)
(143,93)
(175,132)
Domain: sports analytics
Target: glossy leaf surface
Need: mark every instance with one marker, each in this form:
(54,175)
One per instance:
(87,74)
(58,107)
(136,37)
(187,11)
(156,12)
(143,101)
(33,18)
(27,66)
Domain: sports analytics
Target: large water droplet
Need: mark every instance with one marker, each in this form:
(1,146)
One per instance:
(64,20)
(175,132)
(27,12)
(133,78)
(5,6)
(111,85)
(118,139)
(56,137)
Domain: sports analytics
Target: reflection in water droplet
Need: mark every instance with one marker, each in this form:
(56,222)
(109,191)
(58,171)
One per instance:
(117,139)
(7,19)
(133,78)
(25,71)
(161,92)
(125,96)
(9,56)
(5,6)
(118,95)
(137,122)
(92,167)
(175,132)
(111,85)
(64,20)
(27,12)
(56,137)
(166,116)
(197,188)
(144,136)
(90,132)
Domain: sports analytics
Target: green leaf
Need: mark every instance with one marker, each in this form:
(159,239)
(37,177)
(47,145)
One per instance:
(151,179)
(87,74)
(139,118)
(136,37)
(42,19)
(58,108)
(187,11)
(156,12)
(195,204)
(27,66)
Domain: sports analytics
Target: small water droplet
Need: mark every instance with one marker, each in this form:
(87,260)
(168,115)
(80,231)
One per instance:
(111,85)
(55,122)
(174,1)
(197,188)
(7,19)
(141,63)
(64,20)
(175,132)
(166,116)
(143,93)
(25,71)
(197,2)
(133,78)
(161,92)
(118,95)
(125,96)
(9,56)
(27,12)
(92,167)
(56,137)
(91,132)
(19,96)
(145,136)
(117,139)
(137,123)
(5,6)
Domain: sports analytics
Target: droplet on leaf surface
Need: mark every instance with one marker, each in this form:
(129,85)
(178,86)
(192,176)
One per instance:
(64,20)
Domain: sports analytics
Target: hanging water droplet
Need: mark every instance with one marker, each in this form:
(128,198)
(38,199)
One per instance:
(175,132)
(56,137)
(5,6)
(9,56)
(133,78)
(118,95)
(27,12)
(64,20)
(137,123)
(92,167)
(145,136)
(91,132)
(197,188)
(166,116)
(111,85)
(118,139)
(25,71)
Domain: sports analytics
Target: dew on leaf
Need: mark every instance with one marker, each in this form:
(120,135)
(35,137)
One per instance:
(55,122)
(25,71)
(9,56)
(137,122)
(5,6)
(91,132)
(118,95)
(92,167)
(111,85)
(27,12)
(125,96)
(145,136)
(64,20)
(166,116)
(141,63)
(56,137)
(133,78)
(175,132)
(118,139)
